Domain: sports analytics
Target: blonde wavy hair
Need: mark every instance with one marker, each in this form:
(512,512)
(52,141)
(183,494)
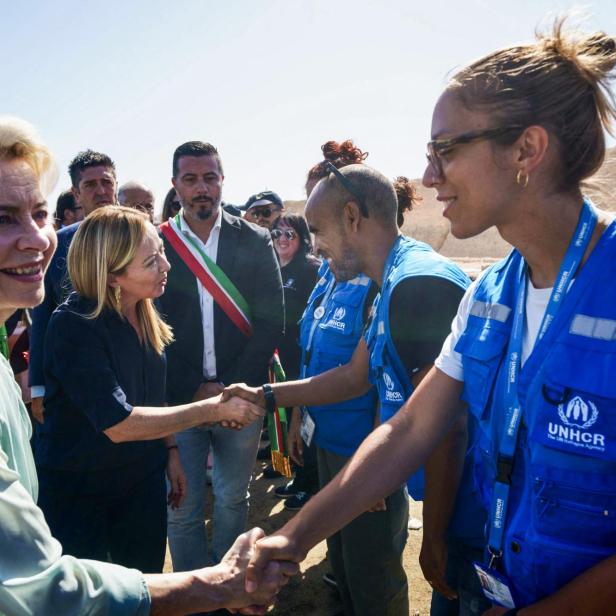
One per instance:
(106,243)
(20,141)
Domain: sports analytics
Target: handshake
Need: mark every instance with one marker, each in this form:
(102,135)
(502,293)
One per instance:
(255,569)
(236,406)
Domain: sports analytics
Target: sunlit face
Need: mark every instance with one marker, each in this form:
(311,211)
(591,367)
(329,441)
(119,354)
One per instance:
(478,182)
(146,275)
(330,239)
(286,242)
(198,184)
(139,199)
(27,238)
(97,188)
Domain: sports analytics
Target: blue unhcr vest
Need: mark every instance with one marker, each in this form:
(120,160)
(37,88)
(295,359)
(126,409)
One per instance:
(336,330)
(562,513)
(407,258)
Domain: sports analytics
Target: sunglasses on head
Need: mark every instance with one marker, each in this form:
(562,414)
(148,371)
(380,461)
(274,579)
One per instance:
(288,233)
(349,188)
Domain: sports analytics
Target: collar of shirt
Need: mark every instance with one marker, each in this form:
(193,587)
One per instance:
(186,230)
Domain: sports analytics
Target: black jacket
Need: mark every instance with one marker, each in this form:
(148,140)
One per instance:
(246,255)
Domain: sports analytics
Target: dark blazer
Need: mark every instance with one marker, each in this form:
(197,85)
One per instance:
(57,289)
(246,255)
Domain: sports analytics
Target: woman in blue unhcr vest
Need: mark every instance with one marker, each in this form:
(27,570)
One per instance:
(533,348)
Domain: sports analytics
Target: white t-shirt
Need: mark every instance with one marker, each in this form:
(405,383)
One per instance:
(537,300)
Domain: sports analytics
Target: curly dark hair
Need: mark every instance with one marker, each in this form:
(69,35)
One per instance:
(340,155)
(347,153)
(407,195)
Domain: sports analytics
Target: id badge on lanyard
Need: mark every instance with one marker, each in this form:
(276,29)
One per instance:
(307,428)
(499,588)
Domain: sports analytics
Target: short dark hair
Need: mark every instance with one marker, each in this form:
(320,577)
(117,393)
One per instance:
(66,201)
(85,160)
(195,148)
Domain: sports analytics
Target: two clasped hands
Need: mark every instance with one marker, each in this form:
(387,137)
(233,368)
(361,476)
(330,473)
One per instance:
(256,567)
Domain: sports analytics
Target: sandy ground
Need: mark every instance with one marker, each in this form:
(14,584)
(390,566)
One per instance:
(307,594)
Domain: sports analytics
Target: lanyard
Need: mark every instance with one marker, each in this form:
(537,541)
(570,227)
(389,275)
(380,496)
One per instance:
(507,450)
(315,323)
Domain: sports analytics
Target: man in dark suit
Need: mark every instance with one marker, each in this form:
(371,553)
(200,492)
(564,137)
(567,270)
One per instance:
(93,179)
(210,349)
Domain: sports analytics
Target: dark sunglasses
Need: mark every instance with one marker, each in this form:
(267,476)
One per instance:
(263,212)
(288,233)
(330,168)
(437,147)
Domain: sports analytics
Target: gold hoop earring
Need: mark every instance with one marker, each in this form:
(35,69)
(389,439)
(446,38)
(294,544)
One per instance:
(118,296)
(522,178)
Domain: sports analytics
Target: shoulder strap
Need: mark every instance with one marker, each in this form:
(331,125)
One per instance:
(211,276)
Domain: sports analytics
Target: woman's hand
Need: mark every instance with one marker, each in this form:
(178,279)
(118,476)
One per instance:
(235,412)
(177,479)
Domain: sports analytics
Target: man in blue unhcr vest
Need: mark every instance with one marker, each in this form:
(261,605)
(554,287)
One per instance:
(352,214)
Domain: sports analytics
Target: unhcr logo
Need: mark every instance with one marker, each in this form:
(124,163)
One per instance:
(390,394)
(336,320)
(576,417)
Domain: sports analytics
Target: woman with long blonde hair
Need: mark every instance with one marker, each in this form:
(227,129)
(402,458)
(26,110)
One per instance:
(104,445)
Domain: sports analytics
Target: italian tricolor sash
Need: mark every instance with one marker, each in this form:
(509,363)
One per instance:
(217,283)
(277,424)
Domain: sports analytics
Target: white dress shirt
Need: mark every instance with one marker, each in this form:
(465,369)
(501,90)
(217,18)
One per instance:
(206,301)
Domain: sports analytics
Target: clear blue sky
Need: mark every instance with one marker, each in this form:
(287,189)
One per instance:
(267,81)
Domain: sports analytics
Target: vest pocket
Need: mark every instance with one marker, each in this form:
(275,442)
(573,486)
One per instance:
(572,409)
(481,349)
(574,508)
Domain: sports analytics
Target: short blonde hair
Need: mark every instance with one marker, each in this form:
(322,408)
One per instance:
(20,141)
(106,243)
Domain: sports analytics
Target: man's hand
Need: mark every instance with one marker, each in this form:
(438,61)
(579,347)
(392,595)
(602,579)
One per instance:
(433,560)
(232,571)
(294,438)
(241,390)
(278,547)
(208,390)
(38,409)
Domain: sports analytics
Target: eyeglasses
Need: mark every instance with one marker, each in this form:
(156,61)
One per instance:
(263,212)
(288,233)
(437,147)
(348,187)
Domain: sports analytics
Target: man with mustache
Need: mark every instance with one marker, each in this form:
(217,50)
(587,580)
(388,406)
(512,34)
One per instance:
(224,302)
(94,184)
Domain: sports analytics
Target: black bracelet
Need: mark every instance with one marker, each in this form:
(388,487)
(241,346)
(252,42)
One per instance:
(270,398)
(172,447)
